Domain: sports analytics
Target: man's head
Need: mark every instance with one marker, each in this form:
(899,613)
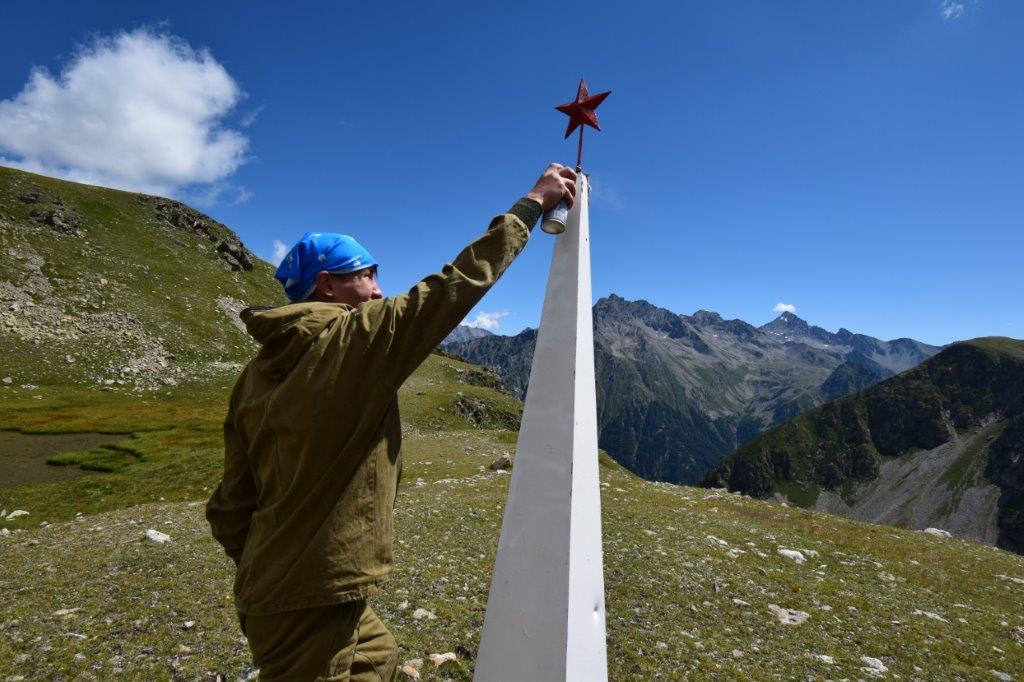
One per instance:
(329,267)
(352,288)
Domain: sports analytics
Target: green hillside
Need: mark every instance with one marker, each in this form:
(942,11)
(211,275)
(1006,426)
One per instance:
(123,290)
(700,584)
(951,430)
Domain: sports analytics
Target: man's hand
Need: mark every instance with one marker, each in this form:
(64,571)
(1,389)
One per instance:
(558,182)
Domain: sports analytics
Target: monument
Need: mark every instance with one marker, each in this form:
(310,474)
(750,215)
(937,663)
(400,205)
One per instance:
(545,616)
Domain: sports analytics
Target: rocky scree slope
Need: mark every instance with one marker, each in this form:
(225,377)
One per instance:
(677,393)
(941,445)
(116,289)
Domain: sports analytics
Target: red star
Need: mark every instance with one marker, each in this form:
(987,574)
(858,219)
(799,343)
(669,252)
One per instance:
(581,110)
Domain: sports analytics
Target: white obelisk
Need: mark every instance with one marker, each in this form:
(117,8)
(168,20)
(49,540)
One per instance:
(545,615)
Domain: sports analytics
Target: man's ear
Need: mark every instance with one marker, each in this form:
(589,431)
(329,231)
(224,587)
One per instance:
(324,286)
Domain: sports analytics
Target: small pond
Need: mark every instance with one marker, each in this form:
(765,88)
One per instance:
(23,455)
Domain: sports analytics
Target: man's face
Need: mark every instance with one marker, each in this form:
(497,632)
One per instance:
(358,287)
(352,288)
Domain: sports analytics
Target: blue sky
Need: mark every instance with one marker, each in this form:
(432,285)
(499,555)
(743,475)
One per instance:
(863,162)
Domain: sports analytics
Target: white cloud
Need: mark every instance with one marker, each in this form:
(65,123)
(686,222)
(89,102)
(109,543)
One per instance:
(952,9)
(488,321)
(250,116)
(218,192)
(785,308)
(140,110)
(280,251)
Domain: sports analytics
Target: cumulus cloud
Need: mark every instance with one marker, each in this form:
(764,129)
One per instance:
(951,9)
(280,251)
(785,308)
(488,321)
(139,110)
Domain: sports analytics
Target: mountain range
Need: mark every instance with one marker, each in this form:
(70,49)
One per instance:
(677,393)
(938,446)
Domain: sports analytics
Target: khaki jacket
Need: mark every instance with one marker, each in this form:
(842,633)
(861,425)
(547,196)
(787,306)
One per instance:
(313,437)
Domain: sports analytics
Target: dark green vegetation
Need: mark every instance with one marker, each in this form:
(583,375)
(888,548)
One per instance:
(677,393)
(971,392)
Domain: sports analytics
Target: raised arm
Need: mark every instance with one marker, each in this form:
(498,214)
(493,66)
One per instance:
(400,332)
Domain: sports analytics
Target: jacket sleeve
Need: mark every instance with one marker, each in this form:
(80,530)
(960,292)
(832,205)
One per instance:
(229,510)
(400,332)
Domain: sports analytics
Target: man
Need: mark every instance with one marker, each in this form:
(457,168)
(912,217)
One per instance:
(313,437)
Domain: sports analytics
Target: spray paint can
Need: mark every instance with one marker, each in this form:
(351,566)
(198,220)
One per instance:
(554,220)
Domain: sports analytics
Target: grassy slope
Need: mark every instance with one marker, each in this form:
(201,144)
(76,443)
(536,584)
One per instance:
(671,583)
(167,278)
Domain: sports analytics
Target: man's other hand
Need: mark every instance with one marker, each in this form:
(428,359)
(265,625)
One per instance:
(558,182)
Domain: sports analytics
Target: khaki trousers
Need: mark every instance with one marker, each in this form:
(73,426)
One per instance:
(339,643)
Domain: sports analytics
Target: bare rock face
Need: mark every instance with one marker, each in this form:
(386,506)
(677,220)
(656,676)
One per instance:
(61,220)
(231,250)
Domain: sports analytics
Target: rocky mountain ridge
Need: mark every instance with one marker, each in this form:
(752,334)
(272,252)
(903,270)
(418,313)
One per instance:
(465,333)
(677,393)
(941,445)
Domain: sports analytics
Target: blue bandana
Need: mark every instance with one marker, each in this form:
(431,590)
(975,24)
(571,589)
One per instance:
(316,252)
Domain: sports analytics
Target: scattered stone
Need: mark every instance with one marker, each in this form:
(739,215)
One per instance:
(503,463)
(421,613)
(1012,579)
(441,659)
(938,532)
(736,653)
(4,532)
(827,660)
(999,675)
(789,616)
(188,625)
(929,614)
(404,605)
(7,381)
(873,666)
(792,554)
(411,668)
(64,613)
(739,602)
(16,514)
(157,537)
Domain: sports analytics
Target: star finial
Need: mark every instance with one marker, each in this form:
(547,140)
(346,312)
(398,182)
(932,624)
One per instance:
(581,110)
